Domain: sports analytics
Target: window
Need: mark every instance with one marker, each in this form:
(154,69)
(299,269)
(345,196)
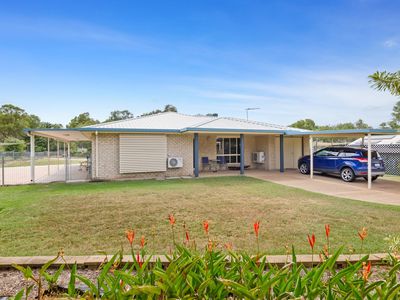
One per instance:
(229,148)
(142,153)
(348,153)
(327,152)
(374,154)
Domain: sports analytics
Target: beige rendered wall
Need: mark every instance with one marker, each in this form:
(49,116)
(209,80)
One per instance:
(292,151)
(108,161)
(265,143)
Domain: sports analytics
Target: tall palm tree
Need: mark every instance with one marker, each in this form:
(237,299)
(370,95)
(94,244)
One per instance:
(386,81)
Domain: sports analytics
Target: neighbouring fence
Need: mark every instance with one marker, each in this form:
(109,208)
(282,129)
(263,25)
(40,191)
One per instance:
(391,156)
(49,167)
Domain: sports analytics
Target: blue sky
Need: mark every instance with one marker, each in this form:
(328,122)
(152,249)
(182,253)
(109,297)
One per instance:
(293,59)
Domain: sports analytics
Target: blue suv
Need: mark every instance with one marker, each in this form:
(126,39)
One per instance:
(347,162)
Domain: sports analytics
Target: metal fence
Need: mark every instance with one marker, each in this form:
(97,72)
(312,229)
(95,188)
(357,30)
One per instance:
(391,156)
(48,167)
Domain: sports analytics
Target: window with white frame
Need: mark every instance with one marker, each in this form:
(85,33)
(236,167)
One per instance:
(229,148)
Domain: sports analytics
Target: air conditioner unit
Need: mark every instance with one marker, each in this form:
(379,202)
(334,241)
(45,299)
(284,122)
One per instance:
(258,157)
(175,162)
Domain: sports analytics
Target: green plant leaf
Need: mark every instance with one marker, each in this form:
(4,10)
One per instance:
(71,284)
(92,287)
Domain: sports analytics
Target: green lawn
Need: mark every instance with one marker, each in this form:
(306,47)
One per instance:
(84,218)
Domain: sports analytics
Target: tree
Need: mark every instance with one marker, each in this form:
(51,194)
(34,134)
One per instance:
(167,108)
(14,144)
(212,115)
(395,122)
(170,107)
(13,120)
(304,124)
(386,81)
(361,125)
(118,115)
(81,120)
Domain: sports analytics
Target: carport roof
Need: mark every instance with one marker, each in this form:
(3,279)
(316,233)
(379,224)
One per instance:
(344,132)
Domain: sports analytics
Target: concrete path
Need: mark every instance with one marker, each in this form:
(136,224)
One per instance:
(383,191)
(43,174)
(96,260)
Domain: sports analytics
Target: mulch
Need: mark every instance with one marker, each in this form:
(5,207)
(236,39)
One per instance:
(12,281)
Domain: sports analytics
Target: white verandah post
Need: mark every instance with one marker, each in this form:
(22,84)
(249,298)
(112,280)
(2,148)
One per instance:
(65,164)
(369,162)
(97,156)
(311,157)
(32,158)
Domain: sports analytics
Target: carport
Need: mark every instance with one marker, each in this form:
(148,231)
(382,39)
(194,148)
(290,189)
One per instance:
(63,137)
(350,133)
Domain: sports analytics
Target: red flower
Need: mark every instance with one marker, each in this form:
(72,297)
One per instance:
(130,235)
(327,230)
(138,260)
(363,233)
(206,226)
(256,226)
(187,236)
(366,270)
(311,240)
(171,219)
(228,246)
(142,241)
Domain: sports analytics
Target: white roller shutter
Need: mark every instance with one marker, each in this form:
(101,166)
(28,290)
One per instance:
(142,153)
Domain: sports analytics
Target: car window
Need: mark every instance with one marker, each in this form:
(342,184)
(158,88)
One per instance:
(326,152)
(374,154)
(348,153)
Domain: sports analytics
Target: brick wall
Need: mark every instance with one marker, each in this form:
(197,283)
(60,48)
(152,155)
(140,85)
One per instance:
(108,165)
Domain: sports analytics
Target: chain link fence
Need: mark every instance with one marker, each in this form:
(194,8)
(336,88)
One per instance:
(390,154)
(48,167)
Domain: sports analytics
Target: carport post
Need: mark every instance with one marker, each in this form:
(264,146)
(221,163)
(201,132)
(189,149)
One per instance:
(281,154)
(58,156)
(32,158)
(369,162)
(196,154)
(65,164)
(311,157)
(69,160)
(241,154)
(48,156)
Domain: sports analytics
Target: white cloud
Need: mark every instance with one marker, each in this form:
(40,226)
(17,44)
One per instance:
(68,29)
(328,97)
(391,43)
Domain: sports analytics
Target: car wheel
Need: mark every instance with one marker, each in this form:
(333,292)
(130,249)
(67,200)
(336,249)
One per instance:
(347,174)
(304,169)
(373,178)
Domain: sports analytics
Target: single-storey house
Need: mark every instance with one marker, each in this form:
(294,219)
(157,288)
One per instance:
(178,145)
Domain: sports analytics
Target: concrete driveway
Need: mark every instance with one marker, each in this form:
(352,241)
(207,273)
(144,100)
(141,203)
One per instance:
(383,191)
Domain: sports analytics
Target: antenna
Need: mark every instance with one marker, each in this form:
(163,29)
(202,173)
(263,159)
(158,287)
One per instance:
(247,111)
